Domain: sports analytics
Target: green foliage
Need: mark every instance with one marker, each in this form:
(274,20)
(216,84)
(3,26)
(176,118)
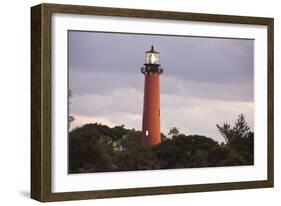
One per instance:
(237,132)
(174,132)
(99,148)
(70,117)
(88,150)
(240,139)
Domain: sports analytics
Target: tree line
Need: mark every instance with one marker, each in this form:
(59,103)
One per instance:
(99,148)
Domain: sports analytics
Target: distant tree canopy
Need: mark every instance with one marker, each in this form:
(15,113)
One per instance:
(99,148)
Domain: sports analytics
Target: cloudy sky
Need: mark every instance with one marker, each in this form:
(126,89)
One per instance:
(206,81)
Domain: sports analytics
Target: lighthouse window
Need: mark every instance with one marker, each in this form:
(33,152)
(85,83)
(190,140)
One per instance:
(146,133)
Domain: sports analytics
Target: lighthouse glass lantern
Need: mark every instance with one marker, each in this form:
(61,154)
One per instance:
(152,57)
(152,63)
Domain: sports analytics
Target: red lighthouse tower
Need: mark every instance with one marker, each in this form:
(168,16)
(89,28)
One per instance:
(151,104)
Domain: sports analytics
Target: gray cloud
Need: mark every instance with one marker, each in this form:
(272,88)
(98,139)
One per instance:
(192,115)
(105,82)
(196,58)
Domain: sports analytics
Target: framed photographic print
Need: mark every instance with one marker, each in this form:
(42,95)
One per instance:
(129,102)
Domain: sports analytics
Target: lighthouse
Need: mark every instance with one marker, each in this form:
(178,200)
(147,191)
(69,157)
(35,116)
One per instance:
(151,103)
